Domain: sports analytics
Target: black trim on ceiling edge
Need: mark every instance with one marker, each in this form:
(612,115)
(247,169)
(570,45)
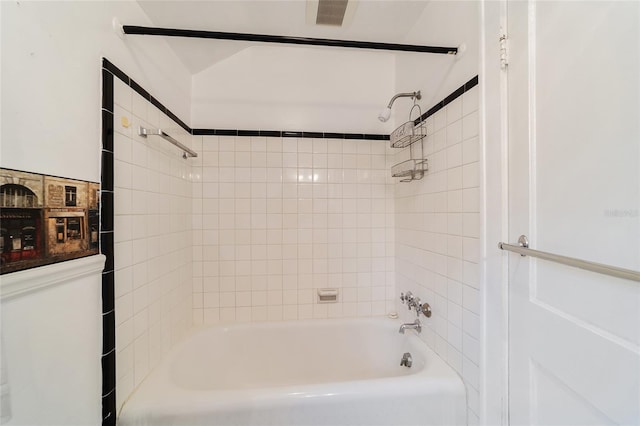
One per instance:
(288,134)
(266,38)
(447,100)
(109,66)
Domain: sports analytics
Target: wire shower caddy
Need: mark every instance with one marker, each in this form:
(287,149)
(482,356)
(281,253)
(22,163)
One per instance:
(406,136)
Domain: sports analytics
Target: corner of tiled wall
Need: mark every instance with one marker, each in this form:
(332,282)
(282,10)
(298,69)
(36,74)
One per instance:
(197,235)
(153,239)
(277,218)
(437,239)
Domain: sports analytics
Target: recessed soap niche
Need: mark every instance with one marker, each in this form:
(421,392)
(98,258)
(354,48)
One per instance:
(327,295)
(46,219)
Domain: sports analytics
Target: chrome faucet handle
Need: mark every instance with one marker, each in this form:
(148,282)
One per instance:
(414,303)
(411,301)
(406,297)
(424,309)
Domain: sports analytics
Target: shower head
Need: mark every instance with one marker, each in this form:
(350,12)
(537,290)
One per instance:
(386,113)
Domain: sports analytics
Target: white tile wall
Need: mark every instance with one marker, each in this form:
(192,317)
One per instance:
(437,246)
(275,219)
(152,239)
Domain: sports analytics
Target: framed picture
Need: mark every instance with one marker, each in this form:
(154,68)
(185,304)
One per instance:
(46,219)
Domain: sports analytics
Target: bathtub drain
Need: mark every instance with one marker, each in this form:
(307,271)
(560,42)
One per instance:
(406,360)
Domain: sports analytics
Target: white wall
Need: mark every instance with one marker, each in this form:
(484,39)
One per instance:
(295,88)
(442,23)
(493,217)
(337,90)
(50,114)
(51,351)
(51,61)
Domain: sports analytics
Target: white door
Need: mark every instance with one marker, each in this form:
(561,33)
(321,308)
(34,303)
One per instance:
(574,190)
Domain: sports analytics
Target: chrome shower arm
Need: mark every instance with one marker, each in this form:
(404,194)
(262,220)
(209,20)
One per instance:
(386,113)
(416,95)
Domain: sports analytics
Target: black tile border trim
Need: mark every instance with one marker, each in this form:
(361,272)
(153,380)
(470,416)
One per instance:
(288,134)
(106,64)
(448,99)
(107,91)
(117,72)
(108,357)
(109,417)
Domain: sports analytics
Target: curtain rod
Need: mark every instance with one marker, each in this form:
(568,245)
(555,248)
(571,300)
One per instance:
(264,38)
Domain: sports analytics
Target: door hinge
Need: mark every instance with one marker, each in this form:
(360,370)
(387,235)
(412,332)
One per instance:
(504,60)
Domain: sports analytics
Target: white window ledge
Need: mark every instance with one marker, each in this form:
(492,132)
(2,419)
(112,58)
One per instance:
(22,282)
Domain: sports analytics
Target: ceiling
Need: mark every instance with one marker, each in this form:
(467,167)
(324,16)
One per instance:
(387,21)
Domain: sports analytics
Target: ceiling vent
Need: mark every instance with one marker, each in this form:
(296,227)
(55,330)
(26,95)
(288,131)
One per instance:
(331,12)
(335,13)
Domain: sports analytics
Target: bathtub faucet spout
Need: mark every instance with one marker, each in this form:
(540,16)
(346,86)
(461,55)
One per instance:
(412,325)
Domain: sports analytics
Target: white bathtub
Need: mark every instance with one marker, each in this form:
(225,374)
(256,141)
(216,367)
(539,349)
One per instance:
(326,372)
